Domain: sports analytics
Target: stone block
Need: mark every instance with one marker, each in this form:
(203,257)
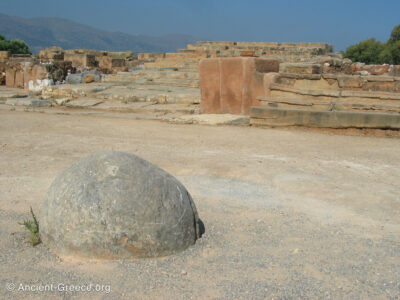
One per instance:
(19,79)
(348,81)
(61,101)
(27,102)
(269,78)
(124,55)
(394,70)
(247,53)
(80,59)
(51,54)
(88,78)
(211,119)
(330,119)
(10,76)
(14,73)
(301,68)
(150,56)
(107,62)
(359,68)
(84,77)
(83,102)
(232,85)
(210,85)
(4,56)
(383,86)
(74,79)
(36,77)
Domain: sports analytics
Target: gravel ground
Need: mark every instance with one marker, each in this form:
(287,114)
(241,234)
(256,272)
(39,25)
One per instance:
(287,213)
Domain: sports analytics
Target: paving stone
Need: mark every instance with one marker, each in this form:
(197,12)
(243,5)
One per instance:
(28,102)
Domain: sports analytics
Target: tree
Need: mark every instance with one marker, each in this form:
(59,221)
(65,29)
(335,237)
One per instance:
(374,52)
(367,51)
(395,35)
(391,53)
(14,46)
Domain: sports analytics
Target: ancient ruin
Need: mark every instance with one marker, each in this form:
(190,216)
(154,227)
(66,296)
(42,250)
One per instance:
(289,212)
(273,84)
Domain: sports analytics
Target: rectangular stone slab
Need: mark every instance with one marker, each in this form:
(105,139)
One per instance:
(330,119)
(27,102)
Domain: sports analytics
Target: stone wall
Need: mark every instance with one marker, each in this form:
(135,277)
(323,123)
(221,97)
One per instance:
(261,48)
(51,54)
(34,76)
(80,59)
(4,56)
(87,58)
(150,56)
(15,76)
(188,59)
(109,63)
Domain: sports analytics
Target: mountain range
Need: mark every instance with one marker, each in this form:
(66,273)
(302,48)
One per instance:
(40,33)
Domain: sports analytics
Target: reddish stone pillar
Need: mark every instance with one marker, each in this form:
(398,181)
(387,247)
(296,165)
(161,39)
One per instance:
(232,84)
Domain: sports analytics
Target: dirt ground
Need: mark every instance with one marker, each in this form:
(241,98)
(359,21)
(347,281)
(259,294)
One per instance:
(287,213)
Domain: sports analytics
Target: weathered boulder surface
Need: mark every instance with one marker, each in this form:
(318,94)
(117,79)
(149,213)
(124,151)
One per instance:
(114,205)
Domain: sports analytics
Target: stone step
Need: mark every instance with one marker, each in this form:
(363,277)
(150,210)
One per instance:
(259,45)
(32,102)
(169,74)
(173,65)
(151,75)
(194,83)
(281,91)
(151,93)
(185,56)
(6,93)
(127,92)
(267,116)
(148,107)
(325,105)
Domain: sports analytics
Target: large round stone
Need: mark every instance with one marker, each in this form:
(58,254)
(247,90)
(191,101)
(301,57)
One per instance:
(116,205)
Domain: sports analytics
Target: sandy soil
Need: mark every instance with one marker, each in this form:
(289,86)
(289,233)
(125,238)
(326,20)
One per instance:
(287,213)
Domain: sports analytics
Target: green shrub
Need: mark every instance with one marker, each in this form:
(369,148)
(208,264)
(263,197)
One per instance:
(367,51)
(33,227)
(391,53)
(14,46)
(375,52)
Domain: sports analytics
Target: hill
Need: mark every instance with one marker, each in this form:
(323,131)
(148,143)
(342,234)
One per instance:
(40,33)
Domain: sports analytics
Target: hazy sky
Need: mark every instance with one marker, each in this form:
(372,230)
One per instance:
(338,22)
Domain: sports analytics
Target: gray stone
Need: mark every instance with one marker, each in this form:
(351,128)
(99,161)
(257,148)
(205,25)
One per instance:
(78,78)
(97,75)
(83,102)
(211,119)
(61,101)
(27,102)
(73,79)
(114,205)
